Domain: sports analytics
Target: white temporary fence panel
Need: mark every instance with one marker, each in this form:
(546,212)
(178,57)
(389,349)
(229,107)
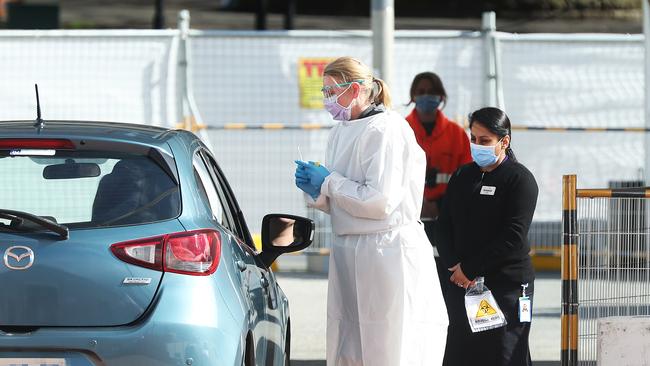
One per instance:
(252,77)
(121,76)
(260,168)
(580,81)
(597,157)
(573,80)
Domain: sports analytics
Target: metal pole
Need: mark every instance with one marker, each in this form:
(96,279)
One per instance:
(190,116)
(260,18)
(569,273)
(383,26)
(159,15)
(646,32)
(490,87)
(498,81)
(182,72)
(289,14)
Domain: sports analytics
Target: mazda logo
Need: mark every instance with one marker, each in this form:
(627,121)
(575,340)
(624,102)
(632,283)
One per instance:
(19,257)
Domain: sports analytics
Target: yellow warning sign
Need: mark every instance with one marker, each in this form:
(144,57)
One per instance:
(310,81)
(485,309)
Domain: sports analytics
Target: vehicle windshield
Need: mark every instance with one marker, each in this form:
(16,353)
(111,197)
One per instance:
(88,189)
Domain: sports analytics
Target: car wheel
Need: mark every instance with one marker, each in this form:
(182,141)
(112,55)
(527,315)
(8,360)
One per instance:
(287,362)
(249,353)
(287,346)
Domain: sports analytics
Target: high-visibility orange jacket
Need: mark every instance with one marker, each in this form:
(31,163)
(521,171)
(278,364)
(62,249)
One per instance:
(446,148)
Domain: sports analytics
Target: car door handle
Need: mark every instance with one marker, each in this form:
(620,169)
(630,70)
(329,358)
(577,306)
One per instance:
(264,282)
(241,265)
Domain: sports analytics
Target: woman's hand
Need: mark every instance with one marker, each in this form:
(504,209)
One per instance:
(459,278)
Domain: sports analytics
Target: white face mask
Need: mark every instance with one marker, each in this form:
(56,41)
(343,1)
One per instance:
(338,112)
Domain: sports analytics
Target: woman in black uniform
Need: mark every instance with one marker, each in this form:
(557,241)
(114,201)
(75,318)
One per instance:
(482,231)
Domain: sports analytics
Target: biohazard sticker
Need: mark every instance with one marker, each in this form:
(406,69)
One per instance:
(484,309)
(483,312)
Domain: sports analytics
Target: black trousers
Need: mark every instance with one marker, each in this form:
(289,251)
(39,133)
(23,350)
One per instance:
(505,346)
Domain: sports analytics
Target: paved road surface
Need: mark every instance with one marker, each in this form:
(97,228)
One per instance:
(307,294)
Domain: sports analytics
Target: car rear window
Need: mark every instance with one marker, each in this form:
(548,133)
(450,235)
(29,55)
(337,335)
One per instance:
(89,189)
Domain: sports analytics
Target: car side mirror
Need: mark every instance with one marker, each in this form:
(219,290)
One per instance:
(284,234)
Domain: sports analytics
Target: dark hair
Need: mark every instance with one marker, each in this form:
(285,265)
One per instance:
(438,88)
(497,122)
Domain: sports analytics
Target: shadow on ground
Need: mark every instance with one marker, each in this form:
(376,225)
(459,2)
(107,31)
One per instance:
(302,275)
(322,363)
(307,362)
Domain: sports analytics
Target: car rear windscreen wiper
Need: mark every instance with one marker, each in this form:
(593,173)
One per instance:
(18,218)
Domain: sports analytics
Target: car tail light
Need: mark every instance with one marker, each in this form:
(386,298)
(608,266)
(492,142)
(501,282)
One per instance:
(56,144)
(193,252)
(144,253)
(196,252)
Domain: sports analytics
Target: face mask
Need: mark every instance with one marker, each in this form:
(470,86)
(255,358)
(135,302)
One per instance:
(484,155)
(338,112)
(427,103)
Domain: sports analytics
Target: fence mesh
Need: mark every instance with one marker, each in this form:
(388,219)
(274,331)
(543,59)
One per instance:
(578,81)
(252,78)
(260,167)
(598,158)
(109,76)
(613,265)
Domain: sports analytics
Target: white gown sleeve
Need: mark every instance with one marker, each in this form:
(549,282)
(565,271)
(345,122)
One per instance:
(382,154)
(321,203)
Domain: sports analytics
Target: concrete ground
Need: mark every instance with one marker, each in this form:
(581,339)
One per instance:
(307,294)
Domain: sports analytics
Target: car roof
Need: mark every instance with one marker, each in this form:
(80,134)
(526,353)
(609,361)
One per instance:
(127,132)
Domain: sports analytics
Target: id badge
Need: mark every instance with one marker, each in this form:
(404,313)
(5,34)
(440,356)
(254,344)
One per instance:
(524,309)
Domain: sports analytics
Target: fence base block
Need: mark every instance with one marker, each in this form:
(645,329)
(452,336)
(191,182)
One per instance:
(318,262)
(624,341)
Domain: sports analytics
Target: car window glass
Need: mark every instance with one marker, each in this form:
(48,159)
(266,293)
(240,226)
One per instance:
(89,188)
(231,214)
(201,189)
(208,187)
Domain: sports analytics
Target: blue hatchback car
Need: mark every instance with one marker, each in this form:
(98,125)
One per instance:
(124,245)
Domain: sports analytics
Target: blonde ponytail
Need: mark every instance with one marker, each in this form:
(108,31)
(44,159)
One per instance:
(347,69)
(380,93)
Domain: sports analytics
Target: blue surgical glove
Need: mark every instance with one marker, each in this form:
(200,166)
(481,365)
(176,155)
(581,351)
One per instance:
(304,182)
(316,172)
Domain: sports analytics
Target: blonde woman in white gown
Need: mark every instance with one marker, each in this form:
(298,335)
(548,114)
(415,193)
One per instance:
(385,306)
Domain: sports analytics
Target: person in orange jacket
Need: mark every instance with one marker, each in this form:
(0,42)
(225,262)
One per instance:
(445,144)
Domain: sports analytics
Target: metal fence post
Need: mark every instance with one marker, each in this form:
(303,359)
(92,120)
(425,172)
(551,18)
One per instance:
(498,85)
(190,116)
(488,29)
(383,25)
(569,270)
(646,32)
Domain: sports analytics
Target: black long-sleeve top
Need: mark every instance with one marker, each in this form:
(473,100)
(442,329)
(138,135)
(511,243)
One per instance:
(484,222)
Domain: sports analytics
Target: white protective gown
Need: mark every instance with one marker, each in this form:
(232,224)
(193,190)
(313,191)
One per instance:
(385,306)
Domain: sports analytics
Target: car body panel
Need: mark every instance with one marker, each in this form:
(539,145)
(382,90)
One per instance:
(179,326)
(60,287)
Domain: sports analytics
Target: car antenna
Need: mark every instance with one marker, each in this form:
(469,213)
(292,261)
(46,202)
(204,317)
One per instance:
(39,123)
